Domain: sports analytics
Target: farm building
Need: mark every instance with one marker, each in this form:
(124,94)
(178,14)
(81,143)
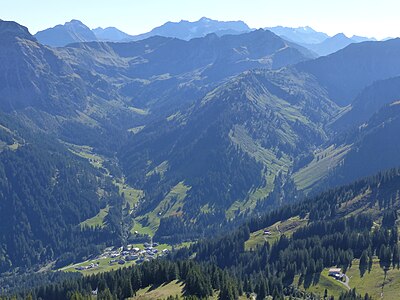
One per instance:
(336,273)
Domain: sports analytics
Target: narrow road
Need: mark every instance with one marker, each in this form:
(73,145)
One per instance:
(277,228)
(346,282)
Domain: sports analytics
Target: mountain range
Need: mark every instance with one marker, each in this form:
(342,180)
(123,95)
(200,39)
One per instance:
(179,137)
(186,30)
(76,31)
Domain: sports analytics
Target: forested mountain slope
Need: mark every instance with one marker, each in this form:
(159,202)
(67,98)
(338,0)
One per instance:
(230,148)
(375,146)
(352,227)
(46,192)
(47,189)
(345,73)
(369,101)
(161,75)
(365,141)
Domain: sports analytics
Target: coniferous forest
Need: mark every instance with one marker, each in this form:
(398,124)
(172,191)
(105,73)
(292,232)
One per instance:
(222,265)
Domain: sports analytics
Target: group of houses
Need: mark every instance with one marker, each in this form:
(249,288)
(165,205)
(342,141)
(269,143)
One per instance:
(122,255)
(88,267)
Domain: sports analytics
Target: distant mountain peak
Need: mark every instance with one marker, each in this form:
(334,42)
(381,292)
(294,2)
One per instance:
(340,35)
(101,28)
(111,34)
(73,31)
(14,29)
(74,22)
(205,19)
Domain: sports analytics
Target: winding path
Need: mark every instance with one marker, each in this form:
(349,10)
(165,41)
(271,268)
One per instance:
(346,282)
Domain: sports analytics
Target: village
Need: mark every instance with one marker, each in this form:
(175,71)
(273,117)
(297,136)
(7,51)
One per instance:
(122,255)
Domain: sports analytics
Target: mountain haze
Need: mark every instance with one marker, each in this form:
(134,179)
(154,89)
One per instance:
(191,131)
(331,44)
(300,35)
(368,102)
(354,68)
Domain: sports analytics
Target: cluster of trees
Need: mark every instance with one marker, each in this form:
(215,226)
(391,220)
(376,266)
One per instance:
(201,280)
(352,295)
(268,269)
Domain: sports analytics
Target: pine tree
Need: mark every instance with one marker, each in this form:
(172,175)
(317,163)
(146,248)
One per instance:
(370,261)
(126,289)
(363,263)
(395,257)
(261,290)
(105,295)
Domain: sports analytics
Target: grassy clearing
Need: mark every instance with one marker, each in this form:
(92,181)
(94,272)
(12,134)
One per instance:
(141,229)
(12,147)
(139,111)
(160,247)
(175,116)
(174,288)
(236,206)
(136,130)
(374,283)
(85,119)
(171,205)
(6,129)
(324,161)
(86,152)
(184,245)
(97,220)
(131,195)
(160,169)
(360,204)
(206,209)
(274,164)
(240,137)
(104,266)
(334,287)
(286,227)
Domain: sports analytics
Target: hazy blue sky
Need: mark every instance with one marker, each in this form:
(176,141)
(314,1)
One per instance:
(379,18)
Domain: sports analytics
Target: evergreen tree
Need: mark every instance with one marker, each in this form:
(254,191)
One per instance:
(363,263)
